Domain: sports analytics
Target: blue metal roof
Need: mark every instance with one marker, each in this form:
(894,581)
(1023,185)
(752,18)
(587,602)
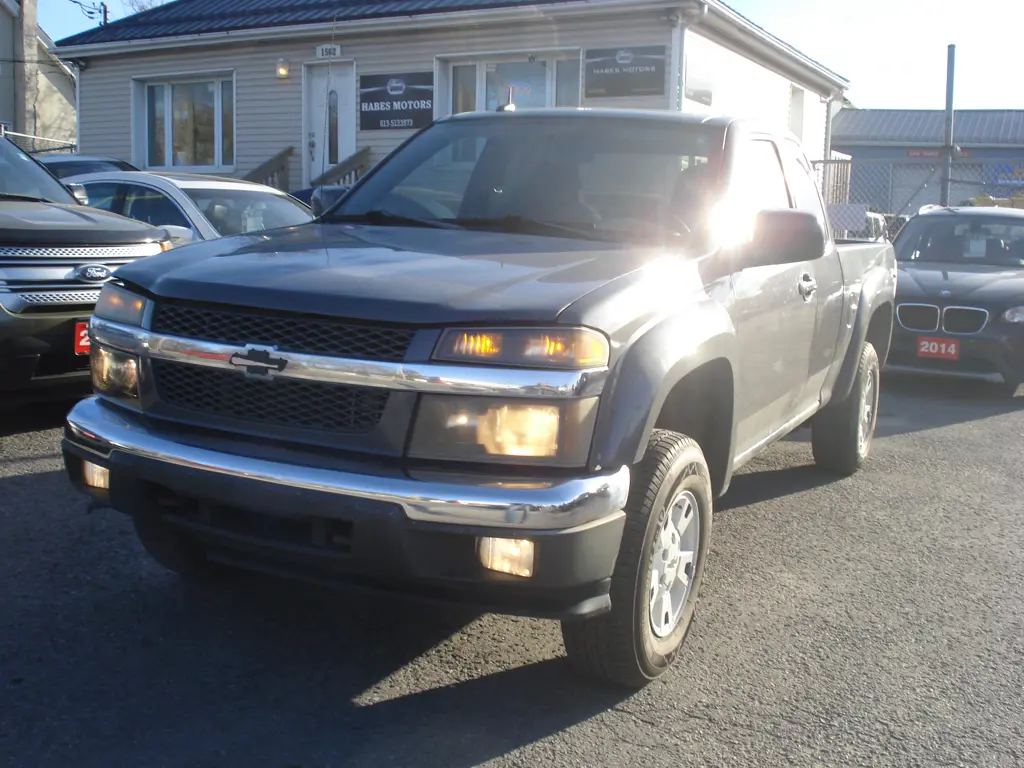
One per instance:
(195,17)
(898,127)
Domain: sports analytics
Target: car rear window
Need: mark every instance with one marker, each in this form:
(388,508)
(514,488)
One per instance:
(951,239)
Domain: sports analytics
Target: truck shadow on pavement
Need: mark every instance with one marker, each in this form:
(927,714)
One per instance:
(109,660)
(19,418)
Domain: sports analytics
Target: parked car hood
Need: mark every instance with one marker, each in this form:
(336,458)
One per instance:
(396,274)
(31,223)
(964,282)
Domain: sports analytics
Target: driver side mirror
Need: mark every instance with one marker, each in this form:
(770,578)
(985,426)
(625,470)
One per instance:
(325,197)
(79,192)
(785,237)
(179,235)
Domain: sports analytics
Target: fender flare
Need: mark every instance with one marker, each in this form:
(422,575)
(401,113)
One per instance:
(655,361)
(877,290)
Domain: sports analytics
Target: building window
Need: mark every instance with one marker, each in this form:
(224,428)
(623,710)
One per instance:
(190,124)
(528,81)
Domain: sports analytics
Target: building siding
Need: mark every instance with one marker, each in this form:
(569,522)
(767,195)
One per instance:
(269,111)
(8,28)
(741,87)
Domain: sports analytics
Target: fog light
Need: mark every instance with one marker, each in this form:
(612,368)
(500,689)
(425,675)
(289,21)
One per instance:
(514,556)
(95,476)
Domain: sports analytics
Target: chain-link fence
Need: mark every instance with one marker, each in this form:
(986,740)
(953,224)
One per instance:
(37,145)
(897,190)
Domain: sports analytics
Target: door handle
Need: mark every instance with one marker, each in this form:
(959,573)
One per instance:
(807,286)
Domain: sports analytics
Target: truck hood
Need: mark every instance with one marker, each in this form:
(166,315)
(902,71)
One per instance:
(964,282)
(31,223)
(391,274)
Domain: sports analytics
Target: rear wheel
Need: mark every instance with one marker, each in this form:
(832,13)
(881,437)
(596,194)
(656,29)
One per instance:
(841,433)
(657,578)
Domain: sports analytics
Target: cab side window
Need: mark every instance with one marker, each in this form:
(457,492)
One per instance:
(759,183)
(803,184)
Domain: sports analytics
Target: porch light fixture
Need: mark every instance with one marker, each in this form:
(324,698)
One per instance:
(283,69)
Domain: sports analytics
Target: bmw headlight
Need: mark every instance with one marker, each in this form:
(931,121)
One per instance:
(1014,315)
(120,305)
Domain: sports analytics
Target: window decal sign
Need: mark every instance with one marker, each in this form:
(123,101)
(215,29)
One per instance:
(617,72)
(396,102)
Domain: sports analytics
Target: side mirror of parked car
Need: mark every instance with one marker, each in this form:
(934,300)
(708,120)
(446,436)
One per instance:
(785,237)
(325,197)
(79,192)
(179,235)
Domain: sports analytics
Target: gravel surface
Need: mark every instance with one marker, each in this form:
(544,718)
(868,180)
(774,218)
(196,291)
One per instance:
(877,620)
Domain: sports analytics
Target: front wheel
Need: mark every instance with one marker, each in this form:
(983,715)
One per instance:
(658,573)
(841,433)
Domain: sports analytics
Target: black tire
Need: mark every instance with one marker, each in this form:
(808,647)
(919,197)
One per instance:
(621,646)
(836,439)
(174,550)
(1007,389)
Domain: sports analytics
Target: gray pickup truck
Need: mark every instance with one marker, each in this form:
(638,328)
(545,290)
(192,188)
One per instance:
(55,255)
(513,367)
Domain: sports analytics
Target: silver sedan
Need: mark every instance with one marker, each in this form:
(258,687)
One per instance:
(192,207)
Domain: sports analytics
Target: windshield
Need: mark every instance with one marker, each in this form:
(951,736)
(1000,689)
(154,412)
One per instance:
(620,178)
(235,211)
(949,239)
(20,175)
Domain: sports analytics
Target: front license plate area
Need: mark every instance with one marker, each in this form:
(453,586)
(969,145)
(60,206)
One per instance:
(938,349)
(82,338)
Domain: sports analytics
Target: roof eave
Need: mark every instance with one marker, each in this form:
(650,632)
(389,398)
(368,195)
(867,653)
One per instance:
(838,142)
(344,28)
(805,70)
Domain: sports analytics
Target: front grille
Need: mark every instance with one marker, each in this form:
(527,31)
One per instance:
(918,317)
(55,298)
(290,333)
(963,320)
(208,392)
(93,254)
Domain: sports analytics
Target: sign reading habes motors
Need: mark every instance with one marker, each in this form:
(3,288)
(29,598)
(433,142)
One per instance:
(616,72)
(396,102)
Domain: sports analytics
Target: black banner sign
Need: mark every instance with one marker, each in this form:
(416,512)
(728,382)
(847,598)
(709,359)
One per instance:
(614,72)
(396,102)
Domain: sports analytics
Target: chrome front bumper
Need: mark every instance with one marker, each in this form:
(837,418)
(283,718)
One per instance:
(95,428)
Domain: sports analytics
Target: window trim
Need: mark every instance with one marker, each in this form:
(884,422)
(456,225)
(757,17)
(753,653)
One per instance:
(140,119)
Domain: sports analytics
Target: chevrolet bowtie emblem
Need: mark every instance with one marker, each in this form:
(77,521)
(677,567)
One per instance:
(259,362)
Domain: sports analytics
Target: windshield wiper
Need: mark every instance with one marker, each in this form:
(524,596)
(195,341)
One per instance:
(386,218)
(29,198)
(530,226)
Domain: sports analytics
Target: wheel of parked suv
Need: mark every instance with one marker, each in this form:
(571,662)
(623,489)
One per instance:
(656,583)
(841,432)
(174,550)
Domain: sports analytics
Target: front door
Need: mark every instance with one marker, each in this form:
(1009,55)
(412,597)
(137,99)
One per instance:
(330,116)
(774,312)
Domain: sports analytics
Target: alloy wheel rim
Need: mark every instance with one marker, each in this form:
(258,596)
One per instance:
(868,411)
(673,564)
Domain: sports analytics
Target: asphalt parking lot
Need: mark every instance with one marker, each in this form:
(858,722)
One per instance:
(877,620)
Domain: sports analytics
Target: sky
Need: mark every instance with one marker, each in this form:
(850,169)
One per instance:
(893,52)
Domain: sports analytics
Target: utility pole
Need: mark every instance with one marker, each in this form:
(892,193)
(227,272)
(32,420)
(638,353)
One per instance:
(950,148)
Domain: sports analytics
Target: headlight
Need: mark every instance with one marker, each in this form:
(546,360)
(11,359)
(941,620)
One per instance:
(488,429)
(114,373)
(1014,315)
(572,348)
(120,306)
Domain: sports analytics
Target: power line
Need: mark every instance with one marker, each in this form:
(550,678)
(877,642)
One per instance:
(93,11)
